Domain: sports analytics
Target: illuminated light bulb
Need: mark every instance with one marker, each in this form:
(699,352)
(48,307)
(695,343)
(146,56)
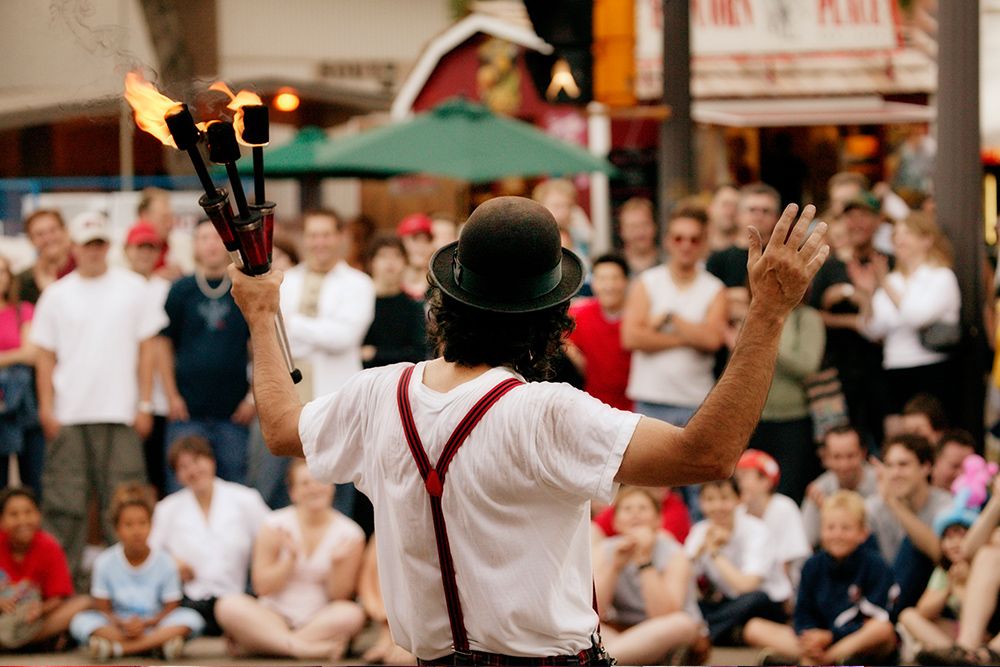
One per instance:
(286,100)
(562,81)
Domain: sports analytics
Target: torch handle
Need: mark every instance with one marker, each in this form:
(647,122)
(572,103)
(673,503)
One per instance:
(258,174)
(238,194)
(286,349)
(201,170)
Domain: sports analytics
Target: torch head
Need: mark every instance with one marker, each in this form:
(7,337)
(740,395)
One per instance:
(255,125)
(182,128)
(222,146)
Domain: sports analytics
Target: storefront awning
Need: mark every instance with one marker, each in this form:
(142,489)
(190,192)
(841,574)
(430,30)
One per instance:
(867,110)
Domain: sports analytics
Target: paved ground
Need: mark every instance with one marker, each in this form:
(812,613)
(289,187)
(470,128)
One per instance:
(211,651)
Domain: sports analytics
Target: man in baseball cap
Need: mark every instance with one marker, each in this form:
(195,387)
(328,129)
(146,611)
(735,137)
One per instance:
(469,546)
(89,227)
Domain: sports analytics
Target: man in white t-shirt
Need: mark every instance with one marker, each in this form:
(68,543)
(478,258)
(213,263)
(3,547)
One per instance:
(674,319)
(94,331)
(490,554)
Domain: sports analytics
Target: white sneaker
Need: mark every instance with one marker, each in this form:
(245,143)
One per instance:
(101,649)
(173,649)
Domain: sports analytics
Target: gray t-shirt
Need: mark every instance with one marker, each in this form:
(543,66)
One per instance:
(828,485)
(628,606)
(886,527)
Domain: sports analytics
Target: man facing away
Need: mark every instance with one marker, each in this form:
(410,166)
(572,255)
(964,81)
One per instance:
(485,553)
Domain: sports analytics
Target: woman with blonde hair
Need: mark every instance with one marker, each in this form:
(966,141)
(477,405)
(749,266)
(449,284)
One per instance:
(914,310)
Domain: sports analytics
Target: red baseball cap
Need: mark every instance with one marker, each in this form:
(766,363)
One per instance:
(754,459)
(143,233)
(415,223)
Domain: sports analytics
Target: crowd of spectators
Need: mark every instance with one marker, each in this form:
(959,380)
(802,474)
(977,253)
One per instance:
(854,527)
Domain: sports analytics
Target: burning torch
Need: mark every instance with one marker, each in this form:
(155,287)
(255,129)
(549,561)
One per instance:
(243,236)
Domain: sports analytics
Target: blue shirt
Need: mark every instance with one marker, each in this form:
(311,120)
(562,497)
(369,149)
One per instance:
(841,595)
(135,591)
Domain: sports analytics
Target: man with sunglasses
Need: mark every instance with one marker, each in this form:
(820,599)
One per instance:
(673,323)
(94,330)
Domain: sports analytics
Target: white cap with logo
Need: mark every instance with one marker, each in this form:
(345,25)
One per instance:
(89,226)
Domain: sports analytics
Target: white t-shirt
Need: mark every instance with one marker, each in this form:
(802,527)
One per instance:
(788,534)
(749,549)
(928,295)
(516,504)
(94,326)
(681,376)
(217,547)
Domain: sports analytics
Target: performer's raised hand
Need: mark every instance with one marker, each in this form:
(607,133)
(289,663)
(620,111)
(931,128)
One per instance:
(780,273)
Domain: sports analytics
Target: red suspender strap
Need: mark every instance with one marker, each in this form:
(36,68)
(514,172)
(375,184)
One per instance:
(434,478)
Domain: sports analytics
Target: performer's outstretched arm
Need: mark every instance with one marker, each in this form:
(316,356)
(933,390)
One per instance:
(710,445)
(278,404)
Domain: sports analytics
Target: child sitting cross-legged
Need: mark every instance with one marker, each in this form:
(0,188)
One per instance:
(136,590)
(841,612)
(933,623)
(36,590)
(644,586)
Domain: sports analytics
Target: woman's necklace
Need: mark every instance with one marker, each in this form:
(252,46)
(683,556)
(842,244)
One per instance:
(209,291)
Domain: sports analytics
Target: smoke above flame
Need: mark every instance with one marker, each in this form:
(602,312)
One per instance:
(236,102)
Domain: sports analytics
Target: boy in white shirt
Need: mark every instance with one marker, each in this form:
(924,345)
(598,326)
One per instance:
(735,562)
(757,473)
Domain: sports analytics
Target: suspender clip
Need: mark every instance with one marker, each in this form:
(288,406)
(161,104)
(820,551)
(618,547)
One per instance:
(433,484)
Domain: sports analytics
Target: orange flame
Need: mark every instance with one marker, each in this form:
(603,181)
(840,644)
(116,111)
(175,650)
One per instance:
(236,103)
(149,107)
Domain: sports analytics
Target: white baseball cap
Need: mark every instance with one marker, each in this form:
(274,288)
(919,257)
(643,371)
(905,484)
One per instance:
(89,226)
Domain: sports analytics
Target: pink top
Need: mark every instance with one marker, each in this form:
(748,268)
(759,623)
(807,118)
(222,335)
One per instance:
(10,332)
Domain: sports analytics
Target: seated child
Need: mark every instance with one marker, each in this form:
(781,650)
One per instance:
(933,623)
(757,473)
(645,590)
(36,591)
(136,590)
(842,609)
(737,569)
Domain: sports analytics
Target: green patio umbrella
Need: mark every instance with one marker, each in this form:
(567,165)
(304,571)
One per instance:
(460,140)
(296,158)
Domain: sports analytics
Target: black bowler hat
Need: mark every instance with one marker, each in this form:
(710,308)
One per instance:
(509,259)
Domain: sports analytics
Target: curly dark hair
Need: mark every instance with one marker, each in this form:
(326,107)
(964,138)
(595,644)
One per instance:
(526,342)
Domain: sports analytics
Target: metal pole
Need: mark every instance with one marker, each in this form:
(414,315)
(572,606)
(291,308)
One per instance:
(599,135)
(958,189)
(676,133)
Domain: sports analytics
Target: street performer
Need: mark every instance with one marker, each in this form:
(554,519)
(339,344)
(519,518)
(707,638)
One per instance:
(482,477)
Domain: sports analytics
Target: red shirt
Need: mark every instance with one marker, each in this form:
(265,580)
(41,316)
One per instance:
(674,514)
(599,339)
(44,564)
